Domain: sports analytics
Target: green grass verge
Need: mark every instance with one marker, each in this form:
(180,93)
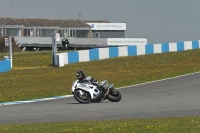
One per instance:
(159,125)
(33,77)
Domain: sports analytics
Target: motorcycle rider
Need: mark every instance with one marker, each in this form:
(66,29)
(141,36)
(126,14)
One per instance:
(82,77)
(65,42)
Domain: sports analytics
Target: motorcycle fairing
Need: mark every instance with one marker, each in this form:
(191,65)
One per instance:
(88,87)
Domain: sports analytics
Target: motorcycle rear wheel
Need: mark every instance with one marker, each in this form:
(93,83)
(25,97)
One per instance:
(82,99)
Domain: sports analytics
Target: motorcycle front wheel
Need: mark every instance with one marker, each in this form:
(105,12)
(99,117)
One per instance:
(114,96)
(82,96)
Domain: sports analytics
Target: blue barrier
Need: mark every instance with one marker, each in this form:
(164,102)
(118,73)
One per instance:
(113,52)
(132,50)
(180,46)
(165,47)
(149,49)
(73,57)
(5,65)
(94,54)
(195,44)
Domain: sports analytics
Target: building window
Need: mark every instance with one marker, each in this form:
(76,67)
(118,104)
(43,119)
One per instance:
(2,32)
(81,33)
(65,33)
(47,32)
(72,33)
(10,32)
(28,32)
(39,32)
(97,34)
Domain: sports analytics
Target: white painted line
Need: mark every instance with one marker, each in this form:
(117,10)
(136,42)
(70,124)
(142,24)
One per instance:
(35,100)
(158,80)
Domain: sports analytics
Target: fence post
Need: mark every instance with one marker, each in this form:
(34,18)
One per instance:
(55,40)
(10,50)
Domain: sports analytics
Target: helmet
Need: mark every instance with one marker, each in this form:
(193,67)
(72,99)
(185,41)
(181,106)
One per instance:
(80,75)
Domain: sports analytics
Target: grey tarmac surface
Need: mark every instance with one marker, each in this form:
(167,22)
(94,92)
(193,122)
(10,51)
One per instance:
(168,98)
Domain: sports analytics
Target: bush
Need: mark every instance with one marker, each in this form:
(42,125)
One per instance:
(4,49)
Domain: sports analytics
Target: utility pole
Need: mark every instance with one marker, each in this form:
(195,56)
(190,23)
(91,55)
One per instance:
(79,13)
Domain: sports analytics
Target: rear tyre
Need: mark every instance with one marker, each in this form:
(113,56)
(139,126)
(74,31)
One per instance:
(114,96)
(84,98)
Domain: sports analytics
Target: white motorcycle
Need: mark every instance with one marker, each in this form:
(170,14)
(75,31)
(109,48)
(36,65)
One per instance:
(87,92)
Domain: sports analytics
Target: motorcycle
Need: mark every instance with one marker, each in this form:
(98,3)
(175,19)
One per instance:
(87,92)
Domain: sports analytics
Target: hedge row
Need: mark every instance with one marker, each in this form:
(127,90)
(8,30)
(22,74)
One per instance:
(4,49)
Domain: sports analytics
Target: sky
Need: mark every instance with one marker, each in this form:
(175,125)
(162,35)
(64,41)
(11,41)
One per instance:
(157,20)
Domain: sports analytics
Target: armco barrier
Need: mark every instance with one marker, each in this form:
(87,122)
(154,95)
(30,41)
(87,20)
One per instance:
(134,50)
(5,65)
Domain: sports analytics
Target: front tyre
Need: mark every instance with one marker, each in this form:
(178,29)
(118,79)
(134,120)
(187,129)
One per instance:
(82,96)
(114,96)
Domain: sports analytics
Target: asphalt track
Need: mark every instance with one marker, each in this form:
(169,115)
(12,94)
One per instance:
(174,97)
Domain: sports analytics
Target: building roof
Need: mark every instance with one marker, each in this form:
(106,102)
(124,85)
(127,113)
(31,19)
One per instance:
(30,22)
(96,21)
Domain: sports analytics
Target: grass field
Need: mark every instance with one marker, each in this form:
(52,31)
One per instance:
(33,77)
(159,125)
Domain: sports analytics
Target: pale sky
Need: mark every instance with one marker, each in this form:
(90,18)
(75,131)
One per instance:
(157,20)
